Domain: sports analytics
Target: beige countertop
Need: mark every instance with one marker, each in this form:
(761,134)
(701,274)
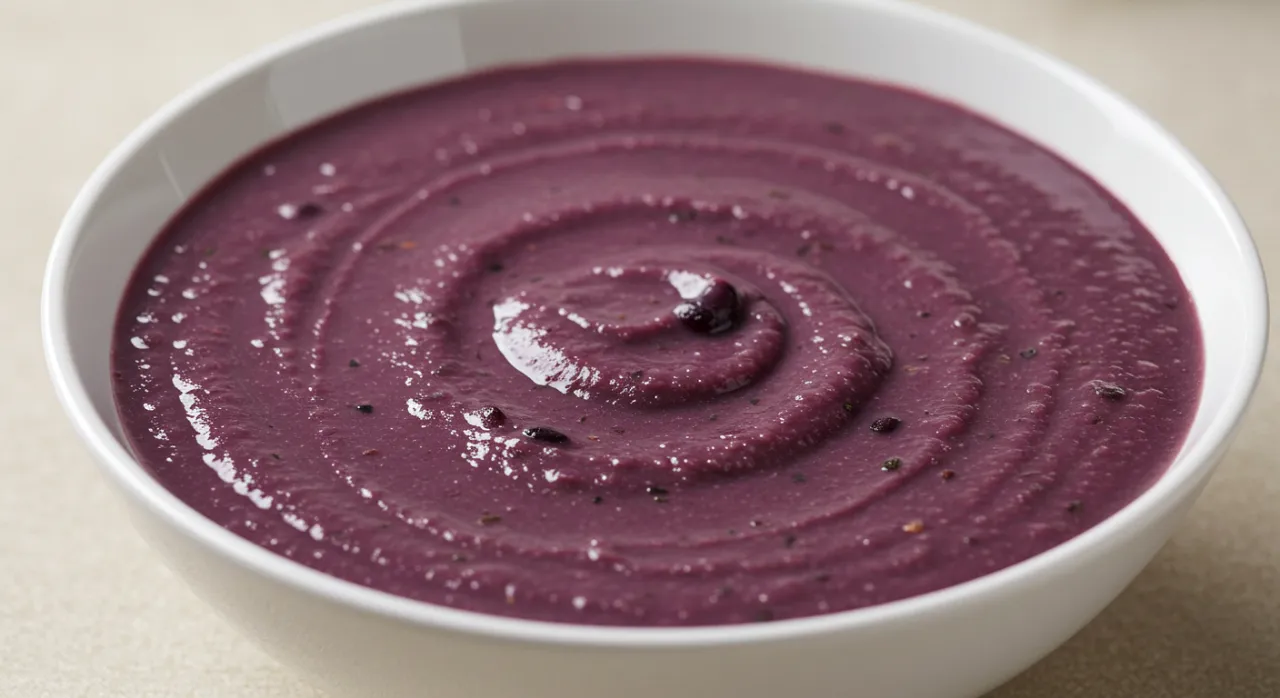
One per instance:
(87,610)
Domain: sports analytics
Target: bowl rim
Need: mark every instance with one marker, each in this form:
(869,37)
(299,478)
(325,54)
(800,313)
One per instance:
(1167,492)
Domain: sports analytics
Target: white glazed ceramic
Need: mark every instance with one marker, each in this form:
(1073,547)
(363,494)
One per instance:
(953,643)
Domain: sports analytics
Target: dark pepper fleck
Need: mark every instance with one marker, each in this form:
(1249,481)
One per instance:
(764,615)
(370,452)
(1109,391)
(756,523)
(848,407)
(948,474)
(885,425)
(822,578)
(923,314)
(495,267)
(308,210)
(656,491)
(789,540)
(798,478)
(546,434)
(454,201)
(1028,353)
(714,311)
(492,417)
(353,363)
(489,519)
(365,408)
(1074,505)
(597,500)
(275,456)
(755,401)
(458,557)
(891,464)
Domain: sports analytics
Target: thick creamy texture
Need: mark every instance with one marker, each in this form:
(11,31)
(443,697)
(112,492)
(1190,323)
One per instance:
(448,345)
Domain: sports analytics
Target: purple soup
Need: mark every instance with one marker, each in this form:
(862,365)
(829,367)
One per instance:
(656,342)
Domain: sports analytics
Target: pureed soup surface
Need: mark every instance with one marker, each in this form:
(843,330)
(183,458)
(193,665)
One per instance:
(656,342)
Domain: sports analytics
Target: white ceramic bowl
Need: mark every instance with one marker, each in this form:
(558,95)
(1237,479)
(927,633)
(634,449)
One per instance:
(956,642)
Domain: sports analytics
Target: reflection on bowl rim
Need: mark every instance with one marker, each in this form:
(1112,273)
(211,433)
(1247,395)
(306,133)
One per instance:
(1185,474)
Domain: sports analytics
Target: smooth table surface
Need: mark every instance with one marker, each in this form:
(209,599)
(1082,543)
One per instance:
(87,610)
